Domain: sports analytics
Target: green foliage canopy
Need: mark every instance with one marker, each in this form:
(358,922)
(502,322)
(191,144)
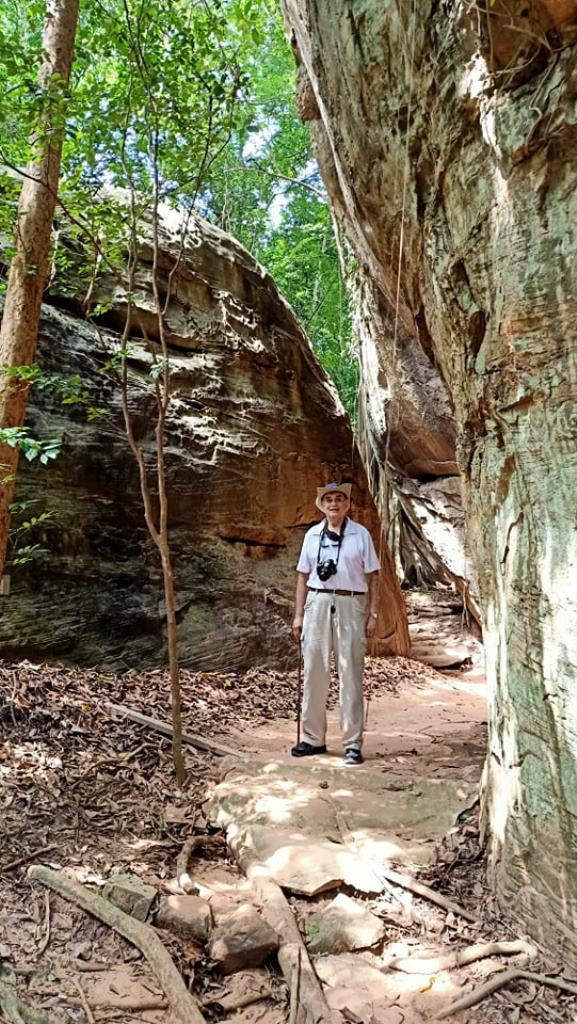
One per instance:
(191,102)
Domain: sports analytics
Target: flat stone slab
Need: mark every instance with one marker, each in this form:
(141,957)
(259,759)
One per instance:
(304,864)
(363,991)
(359,990)
(316,827)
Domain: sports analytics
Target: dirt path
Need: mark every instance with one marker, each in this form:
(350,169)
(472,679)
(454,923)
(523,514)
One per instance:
(424,750)
(432,725)
(321,829)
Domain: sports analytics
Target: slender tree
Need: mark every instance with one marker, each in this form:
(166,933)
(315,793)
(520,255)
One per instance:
(172,91)
(33,232)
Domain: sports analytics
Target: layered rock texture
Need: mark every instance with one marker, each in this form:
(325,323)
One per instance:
(253,426)
(447,139)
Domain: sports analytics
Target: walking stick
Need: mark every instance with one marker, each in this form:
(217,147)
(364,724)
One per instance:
(299,689)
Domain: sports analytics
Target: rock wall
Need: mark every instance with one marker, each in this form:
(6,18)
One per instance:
(447,136)
(406,421)
(254,425)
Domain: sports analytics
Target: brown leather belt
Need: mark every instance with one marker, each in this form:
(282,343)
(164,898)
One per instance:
(339,593)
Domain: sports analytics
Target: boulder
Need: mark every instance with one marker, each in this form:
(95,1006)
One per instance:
(253,426)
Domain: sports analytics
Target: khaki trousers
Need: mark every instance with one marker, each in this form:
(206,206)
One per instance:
(341,631)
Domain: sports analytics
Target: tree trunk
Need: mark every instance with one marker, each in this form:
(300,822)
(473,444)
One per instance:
(159,534)
(162,401)
(29,268)
(172,644)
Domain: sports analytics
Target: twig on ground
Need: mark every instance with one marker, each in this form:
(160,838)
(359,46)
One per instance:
(121,760)
(91,966)
(27,857)
(84,1001)
(140,935)
(407,882)
(431,965)
(230,1002)
(109,1003)
(391,891)
(187,737)
(46,938)
(499,981)
(13,699)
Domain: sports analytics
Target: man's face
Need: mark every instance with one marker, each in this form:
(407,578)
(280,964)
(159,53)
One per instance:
(335,501)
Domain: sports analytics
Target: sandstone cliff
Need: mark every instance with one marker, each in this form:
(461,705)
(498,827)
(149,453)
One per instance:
(447,137)
(254,425)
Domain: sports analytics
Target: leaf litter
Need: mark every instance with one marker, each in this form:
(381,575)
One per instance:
(83,790)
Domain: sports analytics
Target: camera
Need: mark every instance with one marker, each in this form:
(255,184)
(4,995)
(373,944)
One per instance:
(326,569)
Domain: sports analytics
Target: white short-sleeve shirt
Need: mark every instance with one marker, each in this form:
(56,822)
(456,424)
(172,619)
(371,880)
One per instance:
(357,557)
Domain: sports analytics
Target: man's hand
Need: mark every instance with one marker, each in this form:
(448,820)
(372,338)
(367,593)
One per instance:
(298,628)
(370,627)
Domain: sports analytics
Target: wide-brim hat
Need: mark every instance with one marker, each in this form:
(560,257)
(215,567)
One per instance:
(333,489)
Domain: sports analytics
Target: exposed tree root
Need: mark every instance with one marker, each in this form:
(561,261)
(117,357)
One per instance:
(404,881)
(85,1004)
(141,935)
(17,1011)
(499,981)
(44,944)
(182,876)
(292,954)
(431,965)
(295,991)
(163,727)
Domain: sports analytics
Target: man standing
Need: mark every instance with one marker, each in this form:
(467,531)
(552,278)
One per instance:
(336,610)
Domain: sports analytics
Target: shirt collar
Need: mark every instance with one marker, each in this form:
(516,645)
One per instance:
(351,527)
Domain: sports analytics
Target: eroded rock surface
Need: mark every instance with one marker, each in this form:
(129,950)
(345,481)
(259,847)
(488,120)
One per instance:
(447,138)
(253,426)
(314,828)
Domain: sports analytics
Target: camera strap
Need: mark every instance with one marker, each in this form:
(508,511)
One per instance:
(325,532)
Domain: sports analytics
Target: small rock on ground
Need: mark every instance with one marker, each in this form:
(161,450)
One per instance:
(130,894)
(187,916)
(342,926)
(242,940)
